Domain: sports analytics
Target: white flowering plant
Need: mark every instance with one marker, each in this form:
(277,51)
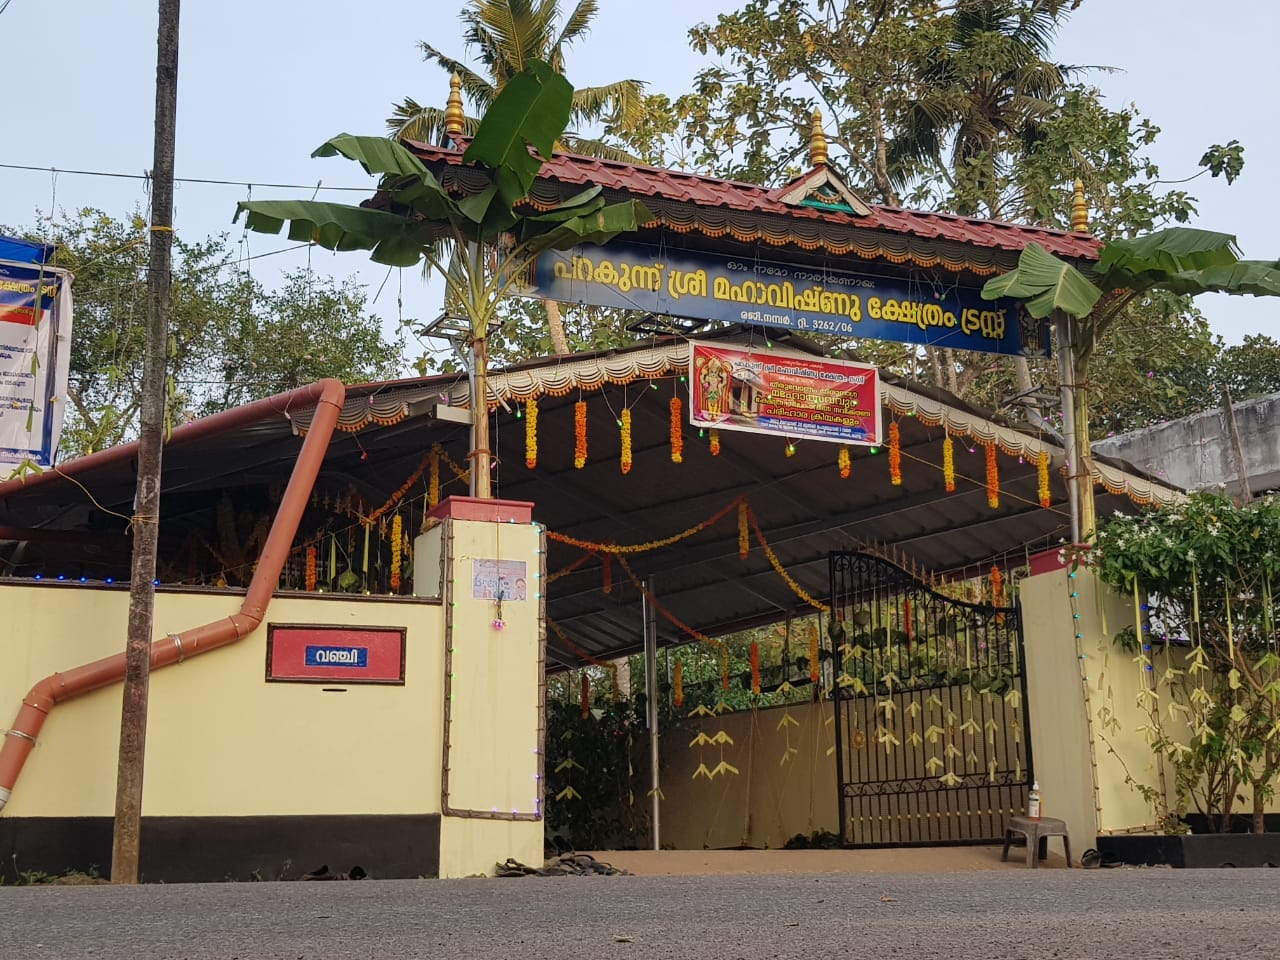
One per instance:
(1202,576)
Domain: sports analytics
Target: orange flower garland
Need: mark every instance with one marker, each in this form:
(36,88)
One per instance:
(949,464)
(724,667)
(677,431)
(625,461)
(586,695)
(744,540)
(755,668)
(997,587)
(1042,472)
(433,480)
(715,443)
(815,668)
(580,434)
(677,684)
(311,569)
(606,574)
(993,477)
(843,461)
(397,543)
(895,455)
(531,433)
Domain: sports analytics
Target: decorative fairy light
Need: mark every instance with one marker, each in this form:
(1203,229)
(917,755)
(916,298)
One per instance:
(846,467)
(949,464)
(993,477)
(755,668)
(715,443)
(580,434)
(895,455)
(677,431)
(397,531)
(625,426)
(531,433)
(1042,472)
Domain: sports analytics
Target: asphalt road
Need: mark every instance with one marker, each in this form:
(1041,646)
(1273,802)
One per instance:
(1131,914)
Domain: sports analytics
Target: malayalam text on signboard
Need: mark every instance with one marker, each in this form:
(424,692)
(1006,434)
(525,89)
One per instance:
(774,391)
(828,300)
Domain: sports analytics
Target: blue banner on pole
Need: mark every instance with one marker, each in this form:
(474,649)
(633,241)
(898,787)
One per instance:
(807,299)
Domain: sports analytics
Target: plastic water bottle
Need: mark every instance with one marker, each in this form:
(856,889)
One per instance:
(1033,801)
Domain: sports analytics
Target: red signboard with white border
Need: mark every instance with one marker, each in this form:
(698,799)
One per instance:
(310,653)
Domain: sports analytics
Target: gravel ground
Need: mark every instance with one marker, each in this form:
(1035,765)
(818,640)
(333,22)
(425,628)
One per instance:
(1129,914)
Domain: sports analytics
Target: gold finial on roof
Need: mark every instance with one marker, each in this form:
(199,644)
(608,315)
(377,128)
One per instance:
(453,115)
(817,142)
(1079,210)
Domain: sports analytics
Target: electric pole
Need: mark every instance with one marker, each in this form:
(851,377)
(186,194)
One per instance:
(146,506)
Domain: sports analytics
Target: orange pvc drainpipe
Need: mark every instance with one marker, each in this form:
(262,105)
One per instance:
(52,690)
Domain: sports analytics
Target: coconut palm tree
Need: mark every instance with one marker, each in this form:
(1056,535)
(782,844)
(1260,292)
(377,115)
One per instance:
(505,36)
(985,90)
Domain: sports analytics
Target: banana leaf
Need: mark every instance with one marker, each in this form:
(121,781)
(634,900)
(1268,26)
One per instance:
(1045,283)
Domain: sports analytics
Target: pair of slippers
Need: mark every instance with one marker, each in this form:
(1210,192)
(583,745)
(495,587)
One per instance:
(1091,860)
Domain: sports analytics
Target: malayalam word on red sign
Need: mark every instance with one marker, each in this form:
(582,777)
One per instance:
(318,654)
(789,394)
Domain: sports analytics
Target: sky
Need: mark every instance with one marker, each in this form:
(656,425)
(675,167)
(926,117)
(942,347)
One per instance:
(261,84)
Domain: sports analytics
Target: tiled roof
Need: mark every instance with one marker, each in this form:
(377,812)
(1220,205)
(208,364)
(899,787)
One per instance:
(675,187)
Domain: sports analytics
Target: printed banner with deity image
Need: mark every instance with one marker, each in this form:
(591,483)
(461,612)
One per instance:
(784,393)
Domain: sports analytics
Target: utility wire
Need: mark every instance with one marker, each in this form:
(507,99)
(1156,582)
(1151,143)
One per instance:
(143,176)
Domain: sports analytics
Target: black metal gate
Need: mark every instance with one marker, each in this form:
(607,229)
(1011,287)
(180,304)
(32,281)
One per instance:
(932,741)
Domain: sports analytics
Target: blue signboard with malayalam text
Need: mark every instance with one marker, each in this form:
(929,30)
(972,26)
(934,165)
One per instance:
(804,298)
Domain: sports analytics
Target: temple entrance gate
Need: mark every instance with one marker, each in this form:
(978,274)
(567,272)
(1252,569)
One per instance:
(932,741)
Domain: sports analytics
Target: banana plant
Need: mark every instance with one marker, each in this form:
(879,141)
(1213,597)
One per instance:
(1181,260)
(481,243)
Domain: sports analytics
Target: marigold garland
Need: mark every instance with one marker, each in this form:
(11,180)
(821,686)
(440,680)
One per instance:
(715,443)
(997,587)
(1042,472)
(755,668)
(677,431)
(397,543)
(744,539)
(815,668)
(677,684)
(619,549)
(531,433)
(843,461)
(433,479)
(580,434)
(781,571)
(586,695)
(724,667)
(606,574)
(895,455)
(949,464)
(993,477)
(311,569)
(625,460)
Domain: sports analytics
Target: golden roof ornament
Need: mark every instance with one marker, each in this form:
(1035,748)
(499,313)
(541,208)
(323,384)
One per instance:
(453,115)
(1079,210)
(817,142)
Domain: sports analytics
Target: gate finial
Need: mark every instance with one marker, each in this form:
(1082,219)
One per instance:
(453,115)
(817,142)
(1079,209)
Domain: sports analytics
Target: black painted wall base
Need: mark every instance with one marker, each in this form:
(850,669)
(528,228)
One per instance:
(1194,850)
(215,849)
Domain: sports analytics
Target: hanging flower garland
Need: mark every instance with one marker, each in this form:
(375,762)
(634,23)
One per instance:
(586,695)
(677,684)
(815,668)
(677,431)
(744,539)
(580,434)
(724,667)
(531,433)
(895,455)
(755,668)
(715,443)
(846,467)
(993,477)
(949,464)
(625,424)
(1042,473)
(606,574)
(997,587)
(397,544)
(311,569)
(433,479)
